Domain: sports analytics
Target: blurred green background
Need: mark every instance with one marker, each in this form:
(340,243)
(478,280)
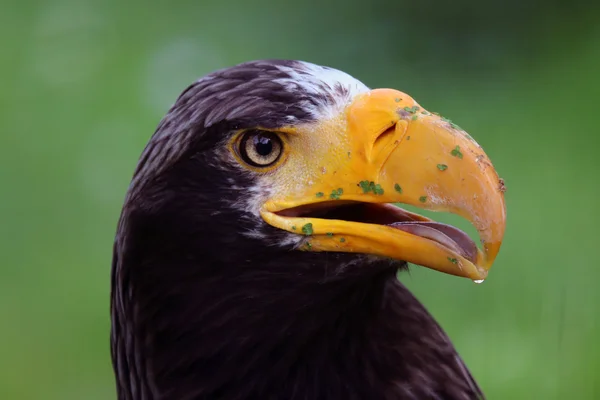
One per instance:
(84,84)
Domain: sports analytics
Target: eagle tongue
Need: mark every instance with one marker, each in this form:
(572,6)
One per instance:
(446,235)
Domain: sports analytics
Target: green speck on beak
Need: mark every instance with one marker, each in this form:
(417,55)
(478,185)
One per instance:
(456,152)
(307,229)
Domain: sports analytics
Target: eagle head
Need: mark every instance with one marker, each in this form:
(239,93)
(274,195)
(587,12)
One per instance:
(258,244)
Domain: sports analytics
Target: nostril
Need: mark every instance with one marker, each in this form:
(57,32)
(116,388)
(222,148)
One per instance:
(383,139)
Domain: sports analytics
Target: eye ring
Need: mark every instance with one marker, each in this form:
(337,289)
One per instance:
(259,148)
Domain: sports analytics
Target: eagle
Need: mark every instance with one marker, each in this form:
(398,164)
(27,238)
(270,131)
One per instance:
(261,238)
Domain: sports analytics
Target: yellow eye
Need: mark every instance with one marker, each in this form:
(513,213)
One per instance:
(260,148)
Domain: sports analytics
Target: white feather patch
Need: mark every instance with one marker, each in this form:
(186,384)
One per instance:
(325,82)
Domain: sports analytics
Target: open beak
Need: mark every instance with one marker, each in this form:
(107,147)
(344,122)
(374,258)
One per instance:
(387,149)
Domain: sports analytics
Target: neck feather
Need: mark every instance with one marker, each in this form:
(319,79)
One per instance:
(189,322)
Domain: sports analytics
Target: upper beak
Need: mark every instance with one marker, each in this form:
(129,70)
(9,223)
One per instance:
(390,150)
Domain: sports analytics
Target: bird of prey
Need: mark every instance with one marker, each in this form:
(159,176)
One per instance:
(257,252)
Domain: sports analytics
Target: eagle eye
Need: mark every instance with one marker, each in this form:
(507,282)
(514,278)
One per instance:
(260,148)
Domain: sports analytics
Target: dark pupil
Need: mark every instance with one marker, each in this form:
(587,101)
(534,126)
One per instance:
(263,145)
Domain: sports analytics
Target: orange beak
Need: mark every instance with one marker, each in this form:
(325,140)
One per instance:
(385,149)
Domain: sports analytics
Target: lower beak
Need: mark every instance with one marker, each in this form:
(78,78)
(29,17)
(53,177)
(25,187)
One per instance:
(394,151)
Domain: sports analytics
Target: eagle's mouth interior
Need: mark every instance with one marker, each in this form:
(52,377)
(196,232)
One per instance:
(392,216)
